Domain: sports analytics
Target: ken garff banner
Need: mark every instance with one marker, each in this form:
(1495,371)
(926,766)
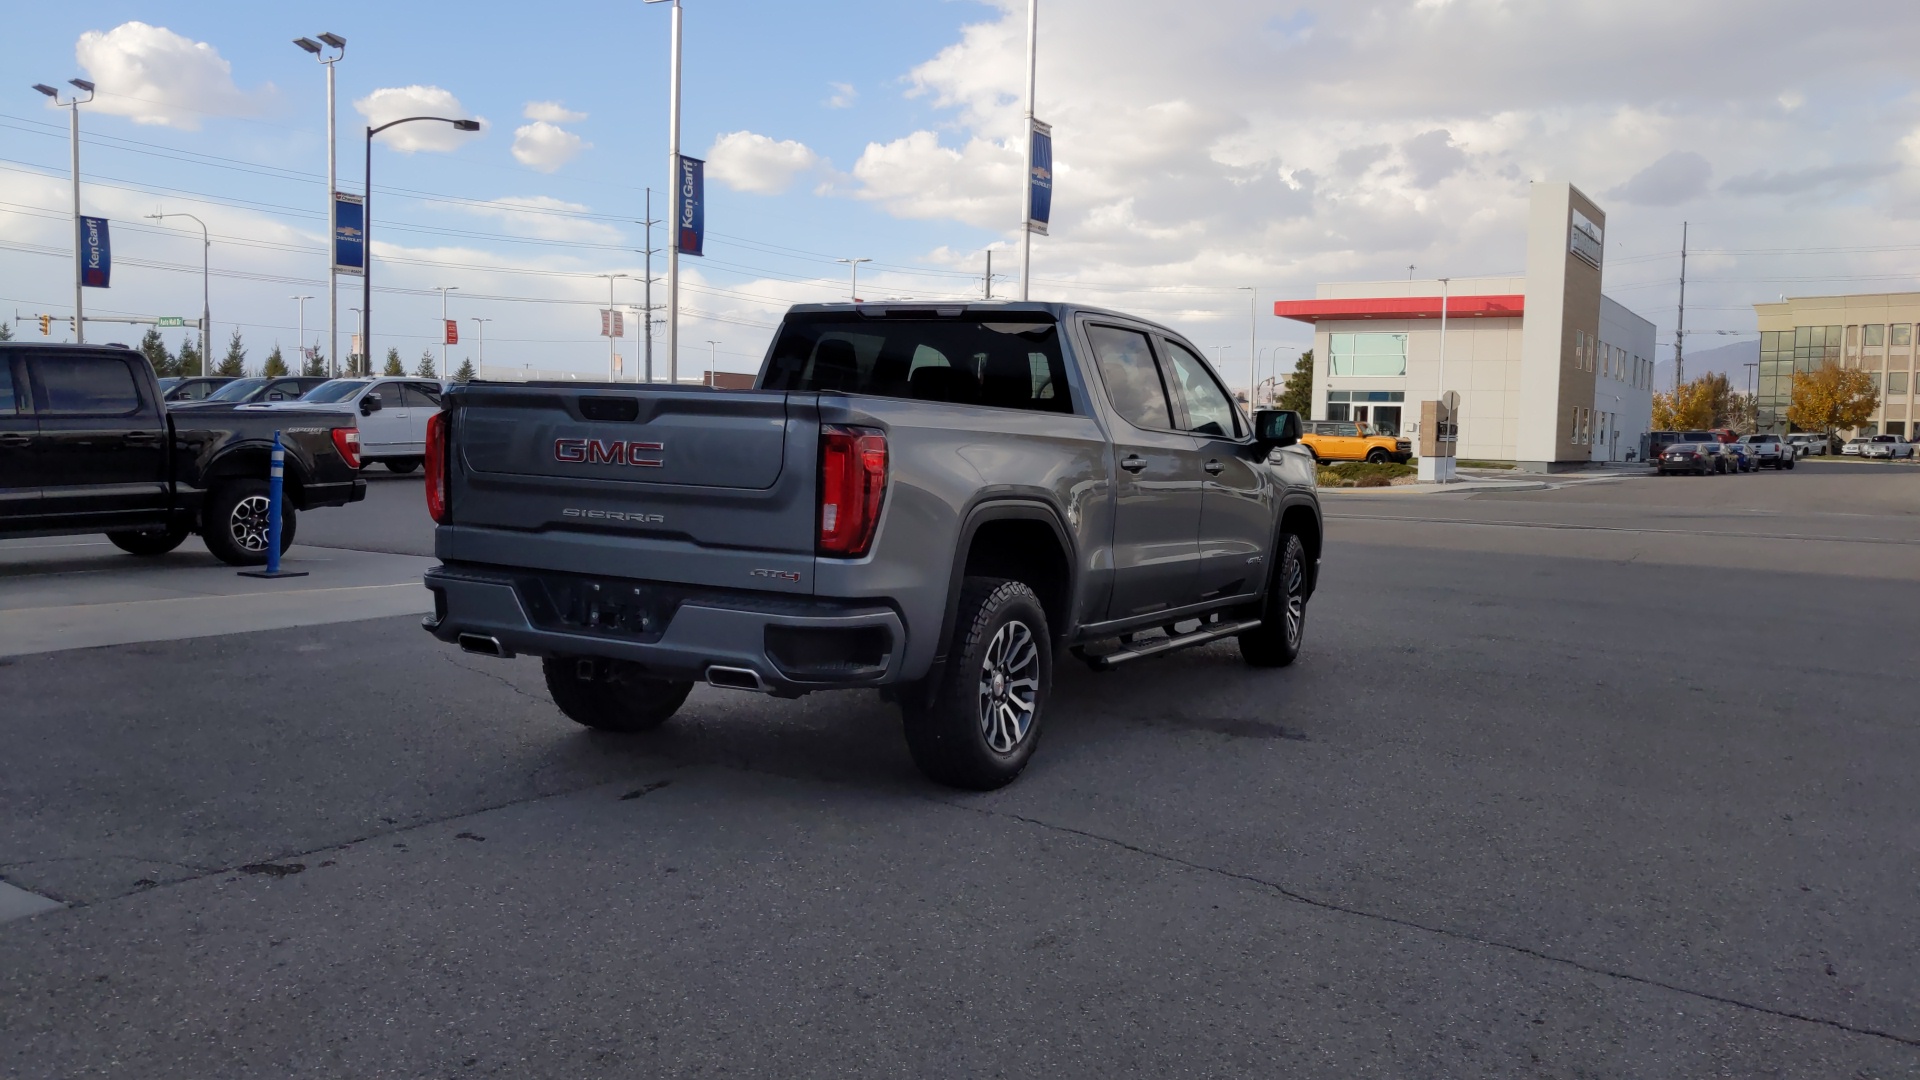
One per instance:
(689,203)
(1040,181)
(349,233)
(96,253)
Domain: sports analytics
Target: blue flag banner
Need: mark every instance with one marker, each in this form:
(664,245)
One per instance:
(1040,180)
(689,206)
(349,233)
(96,253)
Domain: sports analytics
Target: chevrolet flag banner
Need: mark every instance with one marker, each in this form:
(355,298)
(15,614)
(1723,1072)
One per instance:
(349,233)
(96,253)
(453,331)
(689,206)
(1040,181)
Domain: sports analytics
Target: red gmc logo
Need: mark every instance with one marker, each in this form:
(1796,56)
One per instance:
(604,452)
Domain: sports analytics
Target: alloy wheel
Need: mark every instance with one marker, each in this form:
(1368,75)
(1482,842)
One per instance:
(248,523)
(1296,609)
(1009,687)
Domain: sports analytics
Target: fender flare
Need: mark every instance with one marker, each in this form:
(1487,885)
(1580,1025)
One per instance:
(986,509)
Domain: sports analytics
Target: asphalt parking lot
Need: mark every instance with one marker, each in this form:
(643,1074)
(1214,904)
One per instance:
(1611,779)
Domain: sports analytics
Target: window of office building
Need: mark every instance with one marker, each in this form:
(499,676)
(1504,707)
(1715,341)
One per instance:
(1896,383)
(1368,355)
(1900,335)
(1873,335)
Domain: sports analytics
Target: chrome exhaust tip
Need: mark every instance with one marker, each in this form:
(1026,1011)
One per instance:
(735,678)
(484,645)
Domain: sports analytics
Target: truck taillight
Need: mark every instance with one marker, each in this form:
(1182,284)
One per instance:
(347,441)
(853,481)
(437,502)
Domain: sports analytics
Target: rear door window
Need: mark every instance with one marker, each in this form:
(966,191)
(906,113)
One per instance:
(1209,410)
(12,401)
(1010,361)
(80,385)
(415,396)
(1133,379)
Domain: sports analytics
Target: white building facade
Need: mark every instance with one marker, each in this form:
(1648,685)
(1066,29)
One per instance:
(1550,373)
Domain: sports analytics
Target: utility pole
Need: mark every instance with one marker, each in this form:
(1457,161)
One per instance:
(988,295)
(1680,331)
(646,314)
(1026,182)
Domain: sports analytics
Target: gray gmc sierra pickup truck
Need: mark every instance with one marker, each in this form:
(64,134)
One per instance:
(929,499)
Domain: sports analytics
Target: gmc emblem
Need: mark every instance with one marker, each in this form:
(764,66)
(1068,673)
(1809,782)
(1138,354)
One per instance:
(602,452)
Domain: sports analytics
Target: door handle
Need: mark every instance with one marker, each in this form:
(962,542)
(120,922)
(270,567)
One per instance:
(1214,468)
(143,436)
(14,439)
(1134,464)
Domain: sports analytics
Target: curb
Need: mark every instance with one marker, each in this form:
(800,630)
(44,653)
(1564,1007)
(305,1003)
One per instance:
(1465,487)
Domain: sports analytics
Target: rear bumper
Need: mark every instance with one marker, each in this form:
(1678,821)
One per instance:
(338,493)
(792,645)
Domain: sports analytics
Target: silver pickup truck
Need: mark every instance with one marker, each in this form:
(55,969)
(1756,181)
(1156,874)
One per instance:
(931,500)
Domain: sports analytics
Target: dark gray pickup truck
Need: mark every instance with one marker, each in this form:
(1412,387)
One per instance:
(933,500)
(87,445)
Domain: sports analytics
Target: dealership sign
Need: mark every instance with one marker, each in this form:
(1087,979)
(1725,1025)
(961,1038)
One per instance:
(1040,179)
(349,233)
(96,253)
(689,206)
(1583,239)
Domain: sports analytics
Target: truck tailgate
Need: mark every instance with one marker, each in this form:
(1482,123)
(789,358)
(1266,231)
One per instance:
(672,484)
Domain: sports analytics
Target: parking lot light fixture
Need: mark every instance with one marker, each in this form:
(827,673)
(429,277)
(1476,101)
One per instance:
(206,250)
(328,51)
(366,229)
(72,105)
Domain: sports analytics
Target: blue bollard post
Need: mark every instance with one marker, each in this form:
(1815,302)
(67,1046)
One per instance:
(275,480)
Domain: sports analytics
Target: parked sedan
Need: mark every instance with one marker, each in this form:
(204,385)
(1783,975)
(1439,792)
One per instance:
(393,415)
(1854,447)
(191,387)
(1697,458)
(258,390)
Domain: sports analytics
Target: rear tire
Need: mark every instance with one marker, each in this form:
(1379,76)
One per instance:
(234,523)
(149,542)
(979,727)
(402,464)
(1276,641)
(1377,456)
(614,696)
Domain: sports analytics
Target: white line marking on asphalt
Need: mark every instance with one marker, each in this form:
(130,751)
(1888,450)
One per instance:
(18,903)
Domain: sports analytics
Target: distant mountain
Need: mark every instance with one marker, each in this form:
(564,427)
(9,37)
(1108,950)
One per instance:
(1728,360)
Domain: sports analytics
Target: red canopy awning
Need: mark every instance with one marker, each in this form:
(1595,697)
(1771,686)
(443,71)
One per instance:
(1401,307)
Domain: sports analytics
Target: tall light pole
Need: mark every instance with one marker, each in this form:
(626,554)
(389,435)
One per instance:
(673,176)
(1026,176)
(366,230)
(206,253)
(300,346)
(1253,338)
(612,310)
(319,49)
(854,265)
(443,290)
(72,105)
(1447,418)
(479,341)
(713,373)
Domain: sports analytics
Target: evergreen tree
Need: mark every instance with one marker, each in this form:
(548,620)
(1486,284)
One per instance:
(394,366)
(425,370)
(1296,394)
(316,363)
(6,331)
(276,365)
(154,348)
(190,361)
(466,372)
(235,362)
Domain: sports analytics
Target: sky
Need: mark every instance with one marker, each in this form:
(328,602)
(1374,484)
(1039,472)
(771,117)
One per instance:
(1209,159)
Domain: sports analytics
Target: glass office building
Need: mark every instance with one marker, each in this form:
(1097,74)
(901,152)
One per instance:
(1872,332)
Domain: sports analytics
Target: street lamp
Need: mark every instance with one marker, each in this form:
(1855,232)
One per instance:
(300,346)
(713,377)
(479,340)
(206,249)
(319,50)
(854,265)
(612,354)
(673,185)
(366,233)
(443,290)
(72,105)
(1253,337)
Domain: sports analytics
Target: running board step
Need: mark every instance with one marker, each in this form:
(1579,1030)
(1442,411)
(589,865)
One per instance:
(1172,644)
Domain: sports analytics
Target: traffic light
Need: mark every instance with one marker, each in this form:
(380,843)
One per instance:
(46,325)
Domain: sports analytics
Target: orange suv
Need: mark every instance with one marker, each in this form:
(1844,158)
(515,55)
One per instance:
(1345,440)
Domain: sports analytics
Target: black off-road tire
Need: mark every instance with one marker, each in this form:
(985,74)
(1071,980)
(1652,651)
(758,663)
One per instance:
(978,729)
(402,464)
(1276,641)
(234,522)
(149,542)
(613,696)
(1377,456)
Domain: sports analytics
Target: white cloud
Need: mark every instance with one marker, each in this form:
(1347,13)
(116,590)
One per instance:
(844,95)
(155,76)
(552,112)
(1678,177)
(396,102)
(917,177)
(544,217)
(745,161)
(546,147)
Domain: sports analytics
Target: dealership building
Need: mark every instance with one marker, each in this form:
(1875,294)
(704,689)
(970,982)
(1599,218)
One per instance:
(1550,373)
(1873,333)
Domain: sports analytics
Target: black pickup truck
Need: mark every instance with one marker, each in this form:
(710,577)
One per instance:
(87,445)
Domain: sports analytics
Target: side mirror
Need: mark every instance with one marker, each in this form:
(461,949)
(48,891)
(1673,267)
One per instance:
(369,404)
(1276,427)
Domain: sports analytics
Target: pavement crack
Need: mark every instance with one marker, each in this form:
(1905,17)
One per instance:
(452,658)
(1441,931)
